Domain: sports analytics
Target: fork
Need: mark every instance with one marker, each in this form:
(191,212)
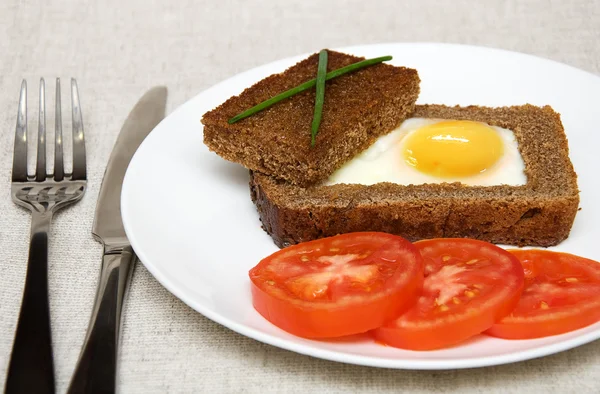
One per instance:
(31,368)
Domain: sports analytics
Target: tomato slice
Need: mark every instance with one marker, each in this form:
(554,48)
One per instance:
(561,294)
(468,286)
(338,286)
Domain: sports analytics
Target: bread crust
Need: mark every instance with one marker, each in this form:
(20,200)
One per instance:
(539,213)
(367,103)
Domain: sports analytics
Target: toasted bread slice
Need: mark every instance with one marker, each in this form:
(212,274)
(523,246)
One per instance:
(540,213)
(359,107)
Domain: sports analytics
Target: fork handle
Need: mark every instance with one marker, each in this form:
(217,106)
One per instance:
(96,369)
(31,368)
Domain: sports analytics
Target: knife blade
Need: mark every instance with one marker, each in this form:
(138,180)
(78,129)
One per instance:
(97,366)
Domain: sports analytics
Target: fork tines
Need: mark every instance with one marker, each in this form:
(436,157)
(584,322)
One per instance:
(19,173)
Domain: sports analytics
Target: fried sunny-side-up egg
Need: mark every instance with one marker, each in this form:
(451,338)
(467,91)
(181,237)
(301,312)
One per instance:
(435,151)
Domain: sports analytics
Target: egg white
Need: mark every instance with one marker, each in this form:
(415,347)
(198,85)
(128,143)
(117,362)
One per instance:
(384,162)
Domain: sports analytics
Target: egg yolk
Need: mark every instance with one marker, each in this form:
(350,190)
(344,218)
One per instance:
(454,148)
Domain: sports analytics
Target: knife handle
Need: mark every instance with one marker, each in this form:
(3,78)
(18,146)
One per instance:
(96,369)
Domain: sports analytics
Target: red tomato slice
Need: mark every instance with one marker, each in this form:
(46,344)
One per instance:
(337,286)
(561,294)
(468,286)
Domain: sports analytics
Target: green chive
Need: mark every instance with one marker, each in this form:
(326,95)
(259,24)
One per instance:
(307,85)
(320,96)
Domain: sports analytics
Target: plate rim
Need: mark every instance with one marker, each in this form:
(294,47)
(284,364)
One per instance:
(300,348)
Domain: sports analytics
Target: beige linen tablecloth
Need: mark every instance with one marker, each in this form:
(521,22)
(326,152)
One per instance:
(117,49)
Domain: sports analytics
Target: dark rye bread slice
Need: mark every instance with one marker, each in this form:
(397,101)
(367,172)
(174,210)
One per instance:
(539,213)
(358,107)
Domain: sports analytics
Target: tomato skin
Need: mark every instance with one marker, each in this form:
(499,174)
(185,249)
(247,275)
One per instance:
(540,329)
(573,302)
(327,318)
(429,326)
(326,323)
(437,336)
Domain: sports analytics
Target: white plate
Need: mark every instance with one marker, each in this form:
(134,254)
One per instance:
(189,216)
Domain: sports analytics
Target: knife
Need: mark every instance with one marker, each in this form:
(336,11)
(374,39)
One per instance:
(96,369)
